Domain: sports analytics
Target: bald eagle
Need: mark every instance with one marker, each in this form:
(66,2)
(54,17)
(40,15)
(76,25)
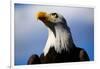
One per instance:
(59,46)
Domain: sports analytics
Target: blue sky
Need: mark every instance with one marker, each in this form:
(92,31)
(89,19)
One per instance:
(31,34)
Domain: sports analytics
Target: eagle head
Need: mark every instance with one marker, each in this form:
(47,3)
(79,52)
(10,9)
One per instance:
(51,19)
(59,33)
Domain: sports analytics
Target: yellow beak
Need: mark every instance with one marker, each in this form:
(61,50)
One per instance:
(41,16)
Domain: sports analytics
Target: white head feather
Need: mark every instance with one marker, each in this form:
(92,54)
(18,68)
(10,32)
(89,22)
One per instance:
(59,34)
(59,42)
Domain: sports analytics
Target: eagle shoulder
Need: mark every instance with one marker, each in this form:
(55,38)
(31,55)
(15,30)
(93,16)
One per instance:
(34,59)
(83,55)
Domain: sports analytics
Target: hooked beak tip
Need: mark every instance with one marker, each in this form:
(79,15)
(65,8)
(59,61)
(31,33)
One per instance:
(41,15)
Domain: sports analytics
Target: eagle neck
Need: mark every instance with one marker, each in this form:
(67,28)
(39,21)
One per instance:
(62,40)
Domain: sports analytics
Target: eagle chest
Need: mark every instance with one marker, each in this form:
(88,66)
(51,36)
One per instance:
(64,56)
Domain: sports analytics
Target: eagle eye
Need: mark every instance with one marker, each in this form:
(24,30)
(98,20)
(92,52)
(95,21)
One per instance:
(54,14)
